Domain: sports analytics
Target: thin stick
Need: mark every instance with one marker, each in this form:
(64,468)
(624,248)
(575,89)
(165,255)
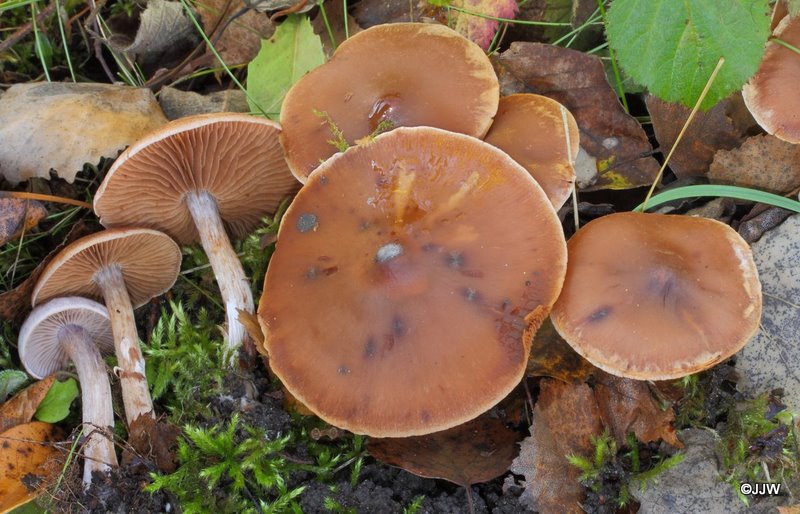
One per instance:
(568,141)
(45,198)
(683,131)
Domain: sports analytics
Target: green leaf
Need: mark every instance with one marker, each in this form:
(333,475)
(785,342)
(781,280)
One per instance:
(55,405)
(673,46)
(290,53)
(11,381)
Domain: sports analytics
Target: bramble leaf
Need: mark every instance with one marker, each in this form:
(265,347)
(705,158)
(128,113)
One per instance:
(672,47)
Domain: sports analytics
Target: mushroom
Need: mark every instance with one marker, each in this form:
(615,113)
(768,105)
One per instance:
(409,275)
(541,135)
(76,330)
(657,297)
(394,75)
(125,267)
(195,178)
(771,95)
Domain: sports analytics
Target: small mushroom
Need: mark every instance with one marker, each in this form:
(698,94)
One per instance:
(772,95)
(393,75)
(409,275)
(541,135)
(76,330)
(657,297)
(203,178)
(125,267)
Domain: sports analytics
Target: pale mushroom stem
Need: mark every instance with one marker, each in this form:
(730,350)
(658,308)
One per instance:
(233,284)
(130,361)
(98,413)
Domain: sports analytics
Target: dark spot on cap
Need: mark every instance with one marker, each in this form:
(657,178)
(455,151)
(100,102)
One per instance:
(399,327)
(600,314)
(343,370)
(430,247)
(6,444)
(324,258)
(425,416)
(471,273)
(364,225)
(455,260)
(323,179)
(528,283)
(311,273)
(307,222)
(370,348)
(470,294)
(330,270)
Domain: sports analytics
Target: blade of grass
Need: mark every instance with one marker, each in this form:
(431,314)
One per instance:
(617,76)
(324,13)
(64,40)
(346,24)
(740,193)
(37,37)
(508,20)
(785,44)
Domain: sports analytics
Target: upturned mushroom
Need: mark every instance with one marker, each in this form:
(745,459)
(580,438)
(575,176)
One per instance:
(393,75)
(541,135)
(657,297)
(409,274)
(76,330)
(203,178)
(125,268)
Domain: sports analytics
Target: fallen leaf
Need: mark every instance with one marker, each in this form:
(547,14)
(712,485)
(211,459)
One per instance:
(290,53)
(17,215)
(154,440)
(761,162)
(629,406)
(693,484)
(163,36)
(61,126)
(480,29)
(614,139)
(21,408)
(477,451)
(334,10)
(179,104)
(27,450)
(761,219)
(564,420)
(708,132)
(241,38)
(553,357)
(772,358)
(369,13)
(55,406)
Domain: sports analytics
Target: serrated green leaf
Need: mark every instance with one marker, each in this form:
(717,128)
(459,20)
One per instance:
(290,53)
(11,381)
(55,405)
(673,46)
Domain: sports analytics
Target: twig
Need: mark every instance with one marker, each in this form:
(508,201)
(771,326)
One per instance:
(45,198)
(24,30)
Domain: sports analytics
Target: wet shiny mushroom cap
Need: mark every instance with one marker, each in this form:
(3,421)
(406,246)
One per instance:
(541,135)
(401,75)
(236,158)
(772,95)
(657,297)
(149,261)
(407,274)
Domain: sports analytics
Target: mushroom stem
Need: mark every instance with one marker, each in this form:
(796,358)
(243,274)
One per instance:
(233,284)
(98,412)
(135,393)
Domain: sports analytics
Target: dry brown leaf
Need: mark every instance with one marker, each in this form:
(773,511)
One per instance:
(17,215)
(335,12)
(608,134)
(61,126)
(762,162)
(153,440)
(475,452)
(629,406)
(564,420)
(709,131)
(369,13)
(179,104)
(21,408)
(241,40)
(551,356)
(27,450)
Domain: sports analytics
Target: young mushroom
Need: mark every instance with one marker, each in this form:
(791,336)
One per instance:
(393,75)
(125,268)
(203,178)
(409,274)
(657,297)
(76,330)
(541,135)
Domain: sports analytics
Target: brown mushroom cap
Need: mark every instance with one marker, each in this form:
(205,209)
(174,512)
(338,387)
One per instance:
(409,74)
(657,297)
(149,260)
(541,135)
(406,274)
(40,350)
(237,158)
(772,95)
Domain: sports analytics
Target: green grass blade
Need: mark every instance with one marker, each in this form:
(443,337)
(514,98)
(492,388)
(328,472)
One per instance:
(740,193)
